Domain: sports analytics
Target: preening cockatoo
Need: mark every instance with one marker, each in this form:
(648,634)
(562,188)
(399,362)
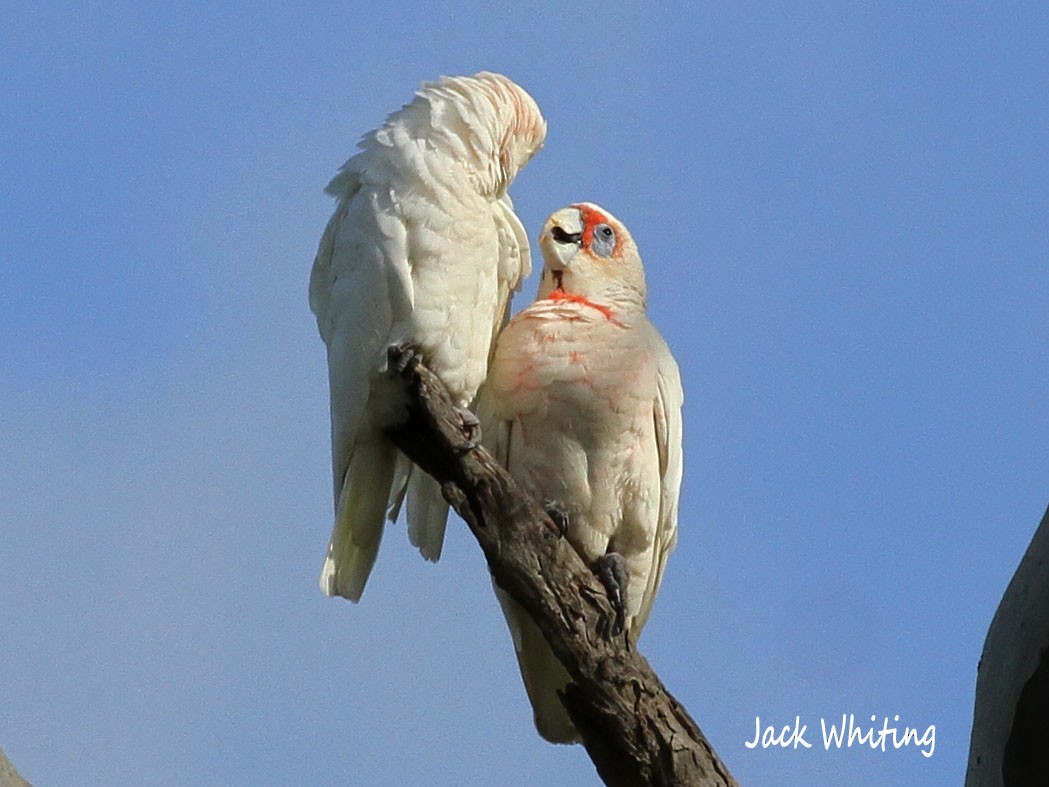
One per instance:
(424,248)
(583,407)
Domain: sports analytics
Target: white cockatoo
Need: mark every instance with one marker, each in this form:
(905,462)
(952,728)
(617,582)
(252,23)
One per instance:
(424,249)
(583,407)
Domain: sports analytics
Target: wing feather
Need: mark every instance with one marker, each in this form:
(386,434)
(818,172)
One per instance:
(515,261)
(360,285)
(666,413)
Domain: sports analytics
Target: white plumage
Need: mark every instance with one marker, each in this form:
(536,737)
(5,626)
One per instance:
(583,407)
(424,247)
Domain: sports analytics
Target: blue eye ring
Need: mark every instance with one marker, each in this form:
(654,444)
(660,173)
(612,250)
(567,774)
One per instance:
(604,240)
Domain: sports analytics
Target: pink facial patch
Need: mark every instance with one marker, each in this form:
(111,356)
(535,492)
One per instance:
(591,218)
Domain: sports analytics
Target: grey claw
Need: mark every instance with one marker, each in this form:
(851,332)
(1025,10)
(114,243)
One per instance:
(471,430)
(611,570)
(466,446)
(558,515)
(402,355)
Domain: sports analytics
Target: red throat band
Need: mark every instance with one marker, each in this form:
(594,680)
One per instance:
(561,295)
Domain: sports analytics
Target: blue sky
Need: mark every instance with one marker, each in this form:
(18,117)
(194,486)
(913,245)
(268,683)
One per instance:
(842,211)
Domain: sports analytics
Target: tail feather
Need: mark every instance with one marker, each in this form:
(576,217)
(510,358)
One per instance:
(542,673)
(359,519)
(427,514)
(399,488)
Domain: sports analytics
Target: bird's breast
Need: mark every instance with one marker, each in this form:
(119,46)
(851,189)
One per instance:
(571,361)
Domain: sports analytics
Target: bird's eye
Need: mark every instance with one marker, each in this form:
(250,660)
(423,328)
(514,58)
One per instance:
(604,242)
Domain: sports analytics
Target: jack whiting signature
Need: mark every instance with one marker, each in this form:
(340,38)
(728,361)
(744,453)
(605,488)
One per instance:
(846,734)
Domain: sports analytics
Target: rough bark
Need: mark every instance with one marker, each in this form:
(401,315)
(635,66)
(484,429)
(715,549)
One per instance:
(1010,736)
(8,775)
(635,732)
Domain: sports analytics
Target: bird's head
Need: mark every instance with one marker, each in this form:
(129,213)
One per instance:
(521,124)
(486,122)
(587,252)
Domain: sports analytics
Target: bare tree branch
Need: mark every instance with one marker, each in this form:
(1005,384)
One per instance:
(1010,735)
(635,732)
(8,775)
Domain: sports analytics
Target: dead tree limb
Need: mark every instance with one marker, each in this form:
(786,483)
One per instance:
(635,732)
(8,775)
(1010,736)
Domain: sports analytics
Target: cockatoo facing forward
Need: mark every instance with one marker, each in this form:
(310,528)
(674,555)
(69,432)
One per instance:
(424,248)
(583,407)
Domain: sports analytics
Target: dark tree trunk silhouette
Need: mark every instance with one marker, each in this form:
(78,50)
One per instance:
(635,732)
(1010,736)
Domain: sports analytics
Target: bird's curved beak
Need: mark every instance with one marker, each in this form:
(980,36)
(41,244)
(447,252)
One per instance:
(561,238)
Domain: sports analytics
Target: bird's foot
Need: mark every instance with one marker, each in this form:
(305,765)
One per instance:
(403,356)
(558,515)
(612,571)
(471,428)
